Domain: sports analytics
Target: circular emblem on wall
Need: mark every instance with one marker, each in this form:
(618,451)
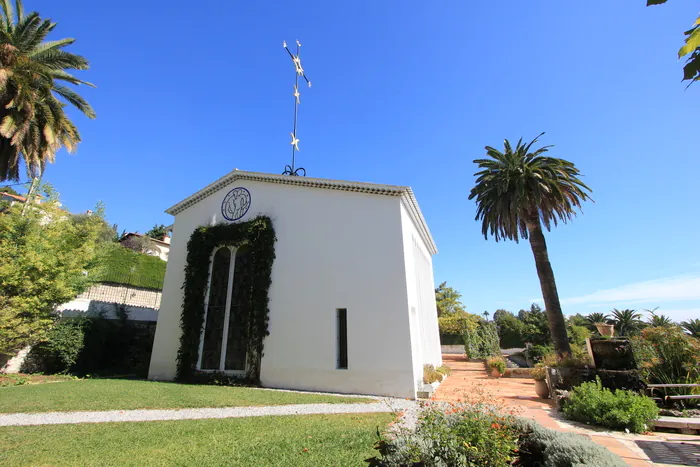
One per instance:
(235,204)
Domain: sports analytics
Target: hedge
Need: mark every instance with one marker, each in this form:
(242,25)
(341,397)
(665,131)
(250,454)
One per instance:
(120,265)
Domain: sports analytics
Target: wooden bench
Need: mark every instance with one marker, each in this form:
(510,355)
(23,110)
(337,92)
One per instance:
(667,398)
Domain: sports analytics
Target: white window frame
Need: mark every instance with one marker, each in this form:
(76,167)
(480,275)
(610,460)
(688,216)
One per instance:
(227,312)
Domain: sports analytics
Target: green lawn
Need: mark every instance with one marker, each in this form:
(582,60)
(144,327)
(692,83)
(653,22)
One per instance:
(116,394)
(309,440)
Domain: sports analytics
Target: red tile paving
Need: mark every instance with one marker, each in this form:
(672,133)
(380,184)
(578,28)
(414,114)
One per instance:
(469,381)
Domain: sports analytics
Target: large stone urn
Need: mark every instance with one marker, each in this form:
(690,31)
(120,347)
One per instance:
(542,389)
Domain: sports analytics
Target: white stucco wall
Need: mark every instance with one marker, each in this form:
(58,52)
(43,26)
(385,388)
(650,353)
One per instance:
(425,335)
(335,249)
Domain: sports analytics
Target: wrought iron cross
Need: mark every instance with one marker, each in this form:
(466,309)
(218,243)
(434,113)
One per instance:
(298,71)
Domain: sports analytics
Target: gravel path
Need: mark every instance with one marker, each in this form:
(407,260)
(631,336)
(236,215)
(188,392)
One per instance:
(408,407)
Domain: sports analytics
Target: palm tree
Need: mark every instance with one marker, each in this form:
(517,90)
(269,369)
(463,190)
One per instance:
(692,327)
(597,318)
(659,321)
(626,321)
(517,191)
(33,124)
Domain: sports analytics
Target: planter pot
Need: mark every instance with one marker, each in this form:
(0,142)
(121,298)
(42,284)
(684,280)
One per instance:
(495,373)
(612,354)
(607,330)
(542,389)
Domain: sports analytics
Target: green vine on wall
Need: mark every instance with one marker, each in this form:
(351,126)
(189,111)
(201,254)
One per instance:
(259,234)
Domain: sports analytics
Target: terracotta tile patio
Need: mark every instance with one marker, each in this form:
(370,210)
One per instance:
(469,379)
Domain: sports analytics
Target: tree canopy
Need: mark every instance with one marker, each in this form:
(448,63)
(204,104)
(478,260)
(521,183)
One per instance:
(34,74)
(690,49)
(46,254)
(447,300)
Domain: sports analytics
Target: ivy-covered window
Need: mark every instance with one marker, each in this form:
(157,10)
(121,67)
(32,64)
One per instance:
(224,342)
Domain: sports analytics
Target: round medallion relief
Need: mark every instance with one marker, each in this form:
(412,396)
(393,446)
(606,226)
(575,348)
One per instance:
(236,204)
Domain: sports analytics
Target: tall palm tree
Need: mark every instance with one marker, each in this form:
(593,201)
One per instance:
(33,92)
(626,321)
(692,327)
(517,191)
(659,321)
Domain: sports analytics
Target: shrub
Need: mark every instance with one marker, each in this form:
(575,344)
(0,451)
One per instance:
(591,403)
(444,370)
(539,372)
(95,346)
(536,353)
(510,329)
(62,346)
(453,326)
(496,363)
(550,448)
(123,266)
(461,435)
(478,436)
(667,355)
(430,374)
(482,340)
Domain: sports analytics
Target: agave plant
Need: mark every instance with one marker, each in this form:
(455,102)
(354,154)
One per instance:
(692,327)
(33,92)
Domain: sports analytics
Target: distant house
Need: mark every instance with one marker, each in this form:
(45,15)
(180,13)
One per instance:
(148,245)
(12,199)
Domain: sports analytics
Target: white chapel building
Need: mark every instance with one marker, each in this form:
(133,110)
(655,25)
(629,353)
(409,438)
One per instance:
(351,291)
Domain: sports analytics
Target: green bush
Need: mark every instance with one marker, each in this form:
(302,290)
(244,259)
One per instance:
(482,341)
(550,448)
(93,346)
(510,329)
(591,403)
(496,363)
(62,346)
(453,326)
(667,355)
(537,353)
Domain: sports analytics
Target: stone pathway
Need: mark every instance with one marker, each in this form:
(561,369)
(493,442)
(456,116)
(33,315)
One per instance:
(469,380)
(58,418)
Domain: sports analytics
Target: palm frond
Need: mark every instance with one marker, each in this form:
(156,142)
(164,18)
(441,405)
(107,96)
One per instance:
(75,99)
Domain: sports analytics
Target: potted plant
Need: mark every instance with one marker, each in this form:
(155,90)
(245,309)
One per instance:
(606,330)
(539,374)
(497,366)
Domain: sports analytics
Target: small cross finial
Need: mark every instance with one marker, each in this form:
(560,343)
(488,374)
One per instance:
(299,72)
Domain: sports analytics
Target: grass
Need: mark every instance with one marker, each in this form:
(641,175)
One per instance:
(118,394)
(18,379)
(308,440)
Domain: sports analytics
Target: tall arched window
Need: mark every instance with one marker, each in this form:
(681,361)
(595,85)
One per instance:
(224,341)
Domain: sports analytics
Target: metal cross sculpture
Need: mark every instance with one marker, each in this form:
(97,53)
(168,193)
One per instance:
(299,71)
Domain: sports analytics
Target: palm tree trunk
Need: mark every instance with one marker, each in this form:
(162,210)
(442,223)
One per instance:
(557,325)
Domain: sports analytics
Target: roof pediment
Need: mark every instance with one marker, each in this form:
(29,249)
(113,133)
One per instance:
(405,192)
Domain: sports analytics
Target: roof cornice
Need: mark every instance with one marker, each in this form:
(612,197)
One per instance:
(404,192)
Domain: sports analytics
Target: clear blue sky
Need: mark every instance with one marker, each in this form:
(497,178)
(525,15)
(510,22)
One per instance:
(409,93)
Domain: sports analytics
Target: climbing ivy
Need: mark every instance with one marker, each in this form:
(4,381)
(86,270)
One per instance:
(259,234)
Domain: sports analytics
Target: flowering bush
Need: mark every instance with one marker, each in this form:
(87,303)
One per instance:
(452,435)
(478,434)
